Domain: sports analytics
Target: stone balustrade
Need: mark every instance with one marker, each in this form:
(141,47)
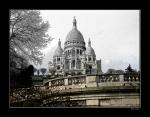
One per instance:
(93,80)
(118,77)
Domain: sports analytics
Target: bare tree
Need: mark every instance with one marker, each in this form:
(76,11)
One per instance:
(27,34)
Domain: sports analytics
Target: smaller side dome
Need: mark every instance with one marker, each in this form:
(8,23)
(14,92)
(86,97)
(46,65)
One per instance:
(90,50)
(59,51)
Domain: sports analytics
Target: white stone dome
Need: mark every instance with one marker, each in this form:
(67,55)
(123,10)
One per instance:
(74,37)
(59,51)
(90,50)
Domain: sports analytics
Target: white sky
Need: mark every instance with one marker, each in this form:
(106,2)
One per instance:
(114,34)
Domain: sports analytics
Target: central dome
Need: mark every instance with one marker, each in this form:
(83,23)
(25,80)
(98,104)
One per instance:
(74,37)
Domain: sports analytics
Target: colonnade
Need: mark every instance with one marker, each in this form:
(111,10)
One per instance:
(74,52)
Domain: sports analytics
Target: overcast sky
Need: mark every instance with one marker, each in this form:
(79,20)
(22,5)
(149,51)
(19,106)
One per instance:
(114,34)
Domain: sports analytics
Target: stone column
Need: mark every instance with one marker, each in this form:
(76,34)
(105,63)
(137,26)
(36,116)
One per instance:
(84,71)
(64,64)
(121,78)
(59,59)
(87,58)
(69,64)
(75,51)
(92,58)
(66,81)
(56,59)
(71,52)
(75,63)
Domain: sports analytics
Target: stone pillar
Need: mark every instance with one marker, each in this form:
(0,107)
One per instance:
(75,64)
(121,78)
(92,58)
(64,64)
(49,83)
(82,65)
(75,52)
(84,71)
(69,64)
(66,81)
(56,59)
(87,58)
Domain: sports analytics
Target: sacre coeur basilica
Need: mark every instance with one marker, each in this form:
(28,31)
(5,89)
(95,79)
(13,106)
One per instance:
(75,58)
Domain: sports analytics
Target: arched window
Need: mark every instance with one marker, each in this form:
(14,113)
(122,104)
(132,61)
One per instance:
(77,51)
(73,42)
(94,59)
(58,59)
(58,67)
(89,58)
(73,63)
(73,52)
(80,52)
(79,64)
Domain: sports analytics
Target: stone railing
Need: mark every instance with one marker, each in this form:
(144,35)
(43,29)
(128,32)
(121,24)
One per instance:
(72,80)
(77,80)
(58,82)
(118,77)
(131,77)
(108,78)
(93,81)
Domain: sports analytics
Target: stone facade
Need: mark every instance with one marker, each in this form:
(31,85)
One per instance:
(75,58)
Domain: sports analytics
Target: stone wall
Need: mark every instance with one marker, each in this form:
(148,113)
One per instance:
(91,81)
(110,100)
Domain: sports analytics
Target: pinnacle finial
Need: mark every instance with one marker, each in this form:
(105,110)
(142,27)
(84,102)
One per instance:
(89,43)
(59,42)
(74,22)
(89,40)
